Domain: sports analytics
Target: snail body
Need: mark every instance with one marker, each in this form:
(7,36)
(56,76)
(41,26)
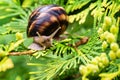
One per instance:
(46,23)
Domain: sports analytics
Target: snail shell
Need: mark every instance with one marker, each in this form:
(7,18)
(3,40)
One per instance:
(45,23)
(46,20)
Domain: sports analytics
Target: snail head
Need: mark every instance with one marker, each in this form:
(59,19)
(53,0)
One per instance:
(43,41)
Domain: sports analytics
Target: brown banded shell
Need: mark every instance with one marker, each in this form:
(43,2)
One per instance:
(46,20)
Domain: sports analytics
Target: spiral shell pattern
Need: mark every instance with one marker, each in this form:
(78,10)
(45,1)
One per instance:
(46,20)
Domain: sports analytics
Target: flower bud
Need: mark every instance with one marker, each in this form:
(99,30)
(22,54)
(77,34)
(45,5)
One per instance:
(118,53)
(114,46)
(19,36)
(110,38)
(103,55)
(106,33)
(112,55)
(97,58)
(102,37)
(101,65)
(114,29)
(104,45)
(104,59)
(83,69)
(108,20)
(94,61)
(92,68)
(100,31)
(105,27)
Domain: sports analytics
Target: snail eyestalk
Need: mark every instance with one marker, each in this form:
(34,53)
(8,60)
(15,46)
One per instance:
(54,33)
(38,34)
(43,42)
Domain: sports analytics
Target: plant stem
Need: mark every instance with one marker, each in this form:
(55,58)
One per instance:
(82,41)
(29,52)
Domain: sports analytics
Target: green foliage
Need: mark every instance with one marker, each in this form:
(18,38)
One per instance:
(98,59)
(61,58)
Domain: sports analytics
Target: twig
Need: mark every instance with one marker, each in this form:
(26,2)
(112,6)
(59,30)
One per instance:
(82,41)
(29,52)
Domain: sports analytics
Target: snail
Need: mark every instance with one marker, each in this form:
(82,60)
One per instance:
(45,23)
